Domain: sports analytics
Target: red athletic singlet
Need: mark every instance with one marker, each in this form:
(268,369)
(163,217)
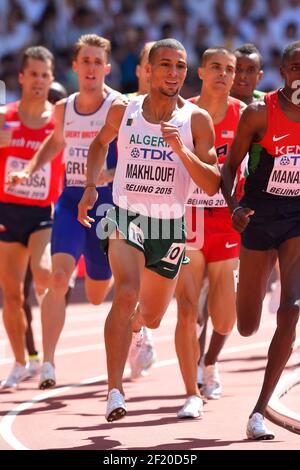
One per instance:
(44,186)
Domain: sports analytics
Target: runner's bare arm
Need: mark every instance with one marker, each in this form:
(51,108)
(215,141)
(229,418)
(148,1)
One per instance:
(202,163)
(99,146)
(5,133)
(96,157)
(49,149)
(251,128)
(53,144)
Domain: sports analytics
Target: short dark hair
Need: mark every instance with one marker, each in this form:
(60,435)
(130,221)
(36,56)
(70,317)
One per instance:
(56,92)
(248,49)
(169,42)
(92,40)
(37,53)
(213,50)
(287,51)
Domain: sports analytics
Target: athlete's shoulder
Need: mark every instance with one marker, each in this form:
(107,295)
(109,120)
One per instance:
(120,101)
(238,105)
(255,116)
(193,99)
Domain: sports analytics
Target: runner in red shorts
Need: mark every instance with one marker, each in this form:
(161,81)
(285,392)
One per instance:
(220,249)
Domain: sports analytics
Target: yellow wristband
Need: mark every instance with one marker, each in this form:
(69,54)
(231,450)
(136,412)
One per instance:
(90,185)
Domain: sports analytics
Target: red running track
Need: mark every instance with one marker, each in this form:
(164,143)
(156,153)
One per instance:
(71,416)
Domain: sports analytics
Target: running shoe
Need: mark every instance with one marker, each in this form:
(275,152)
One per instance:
(192,408)
(257,430)
(116,407)
(47,379)
(33,367)
(17,375)
(212,388)
(141,353)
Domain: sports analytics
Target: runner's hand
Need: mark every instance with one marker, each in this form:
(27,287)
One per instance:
(86,203)
(241,218)
(172,136)
(16,177)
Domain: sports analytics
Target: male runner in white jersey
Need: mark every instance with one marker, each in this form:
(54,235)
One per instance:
(142,355)
(78,119)
(163,141)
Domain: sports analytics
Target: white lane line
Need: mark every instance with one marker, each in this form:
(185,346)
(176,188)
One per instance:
(8,419)
(278,412)
(83,349)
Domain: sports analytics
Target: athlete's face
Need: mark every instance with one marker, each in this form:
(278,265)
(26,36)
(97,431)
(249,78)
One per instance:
(167,71)
(218,73)
(91,67)
(36,78)
(247,75)
(290,70)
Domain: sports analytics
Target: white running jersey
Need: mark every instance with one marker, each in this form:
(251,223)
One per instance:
(150,178)
(79,131)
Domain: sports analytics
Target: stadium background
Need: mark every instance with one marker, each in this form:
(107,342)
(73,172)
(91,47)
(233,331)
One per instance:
(198,24)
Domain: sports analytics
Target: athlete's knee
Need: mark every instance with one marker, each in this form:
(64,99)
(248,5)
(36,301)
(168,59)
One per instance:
(41,278)
(288,315)
(13,300)
(187,311)
(59,281)
(96,298)
(223,326)
(97,292)
(152,323)
(126,296)
(246,329)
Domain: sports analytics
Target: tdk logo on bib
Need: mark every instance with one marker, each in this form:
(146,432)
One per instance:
(291,159)
(284,161)
(78,152)
(151,154)
(135,153)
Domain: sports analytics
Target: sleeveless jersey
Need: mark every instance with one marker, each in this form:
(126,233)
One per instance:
(79,131)
(43,187)
(224,134)
(274,162)
(150,178)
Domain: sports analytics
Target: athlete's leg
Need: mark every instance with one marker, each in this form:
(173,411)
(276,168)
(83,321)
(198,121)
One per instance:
(30,345)
(186,342)
(54,304)
(40,259)
(13,265)
(287,317)
(254,271)
(97,290)
(127,273)
(156,293)
(222,293)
